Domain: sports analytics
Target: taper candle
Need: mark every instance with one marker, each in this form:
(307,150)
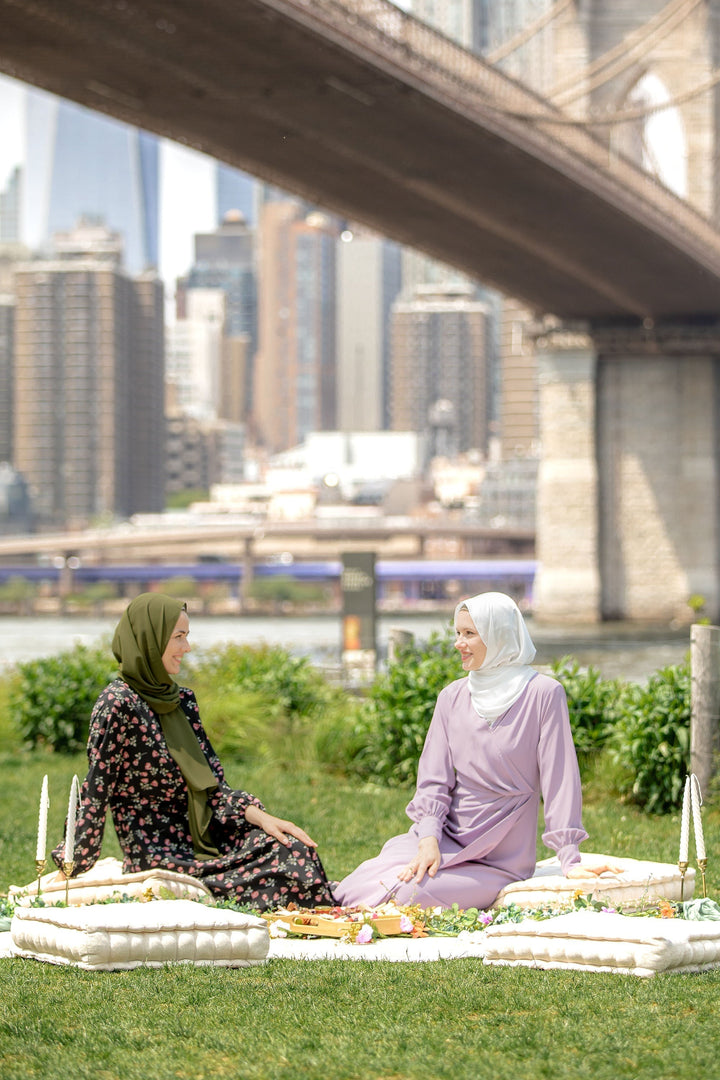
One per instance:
(42,822)
(697,817)
(70,824)
(685,823)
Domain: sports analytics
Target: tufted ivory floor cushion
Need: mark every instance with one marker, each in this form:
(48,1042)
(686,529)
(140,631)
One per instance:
(600,941)
(110,937)
(106,879)
(638,882)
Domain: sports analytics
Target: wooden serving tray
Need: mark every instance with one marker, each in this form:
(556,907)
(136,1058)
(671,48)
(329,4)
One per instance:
(323,926)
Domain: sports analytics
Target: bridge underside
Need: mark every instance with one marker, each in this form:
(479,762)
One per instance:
(256,84)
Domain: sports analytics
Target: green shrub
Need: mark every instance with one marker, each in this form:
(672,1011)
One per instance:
(244,724)
(10,738)
(651,741)
(283,589)
(399,707)
(261,703)
(180,500)
(594,703)
(290,682)
(51,699)
(94,594)
(17,590)
(339,735)
(182,587)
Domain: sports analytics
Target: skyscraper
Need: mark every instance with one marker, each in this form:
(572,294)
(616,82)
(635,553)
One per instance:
(82,164)
(440,375)
(225,260)
(295,372)
(89,384)
(194,354)
(10,208)
(369,276)
(7,375)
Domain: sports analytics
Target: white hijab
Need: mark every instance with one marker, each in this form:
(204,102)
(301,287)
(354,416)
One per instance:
(504,674)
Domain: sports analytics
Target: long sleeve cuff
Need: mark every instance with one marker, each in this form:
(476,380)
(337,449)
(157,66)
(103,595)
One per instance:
(569,855)
(429,826)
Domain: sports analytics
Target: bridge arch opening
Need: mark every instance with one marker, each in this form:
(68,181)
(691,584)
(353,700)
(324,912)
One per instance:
(655,139)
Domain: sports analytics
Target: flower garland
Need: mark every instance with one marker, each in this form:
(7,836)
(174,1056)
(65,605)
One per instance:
(361,926)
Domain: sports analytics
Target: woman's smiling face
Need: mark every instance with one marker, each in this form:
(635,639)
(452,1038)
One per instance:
(177,646)
(468,642)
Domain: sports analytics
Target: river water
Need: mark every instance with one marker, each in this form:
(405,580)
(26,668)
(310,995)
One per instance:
(617,650)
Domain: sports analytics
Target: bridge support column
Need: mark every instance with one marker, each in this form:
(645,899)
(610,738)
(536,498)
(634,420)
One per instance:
(658,425)
(628,521)
(567,584)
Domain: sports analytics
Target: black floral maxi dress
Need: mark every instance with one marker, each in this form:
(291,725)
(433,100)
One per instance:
(131,772)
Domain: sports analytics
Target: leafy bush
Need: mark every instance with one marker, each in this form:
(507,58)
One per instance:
(290,682)
(261,703)
(339,736)
(10,739)
(593,703)
(17,590)
(181,587)
(283,589)
(651,741)
(94,594)
(399,707)
(246,725)
(51,699)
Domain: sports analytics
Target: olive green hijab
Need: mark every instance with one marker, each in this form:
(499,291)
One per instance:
(141,637)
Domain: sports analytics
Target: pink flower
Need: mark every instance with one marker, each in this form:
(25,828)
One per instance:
(365,935)
(405,925)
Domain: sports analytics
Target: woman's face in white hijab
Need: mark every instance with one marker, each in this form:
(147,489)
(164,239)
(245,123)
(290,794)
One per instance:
(468,642)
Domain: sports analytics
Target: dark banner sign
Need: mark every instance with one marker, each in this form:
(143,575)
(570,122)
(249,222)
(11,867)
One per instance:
(358,593)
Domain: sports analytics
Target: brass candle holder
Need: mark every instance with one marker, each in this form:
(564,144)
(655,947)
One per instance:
(40,865)
(702,866)
(68,868)
(682,867)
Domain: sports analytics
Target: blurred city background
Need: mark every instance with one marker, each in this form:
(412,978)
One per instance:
(209,377)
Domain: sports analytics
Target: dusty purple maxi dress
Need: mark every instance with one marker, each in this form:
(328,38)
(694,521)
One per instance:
(478,792)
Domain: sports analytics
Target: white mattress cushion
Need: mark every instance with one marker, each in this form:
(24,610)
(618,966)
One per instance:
(599,941)
(639,881)
(106,879)
(6,946)
(109,937)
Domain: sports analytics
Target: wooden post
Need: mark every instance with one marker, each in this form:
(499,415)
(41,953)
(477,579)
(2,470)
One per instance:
(705,702)
(398,639)
(248,571)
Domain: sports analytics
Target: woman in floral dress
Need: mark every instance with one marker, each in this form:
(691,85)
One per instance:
(152,765)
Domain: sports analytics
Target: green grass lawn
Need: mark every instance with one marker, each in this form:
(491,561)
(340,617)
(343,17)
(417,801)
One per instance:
(332,1019)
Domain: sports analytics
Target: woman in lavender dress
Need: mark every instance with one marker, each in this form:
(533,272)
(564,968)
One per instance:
(499,740)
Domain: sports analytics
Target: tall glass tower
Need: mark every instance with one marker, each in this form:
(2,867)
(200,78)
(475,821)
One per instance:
(80,164)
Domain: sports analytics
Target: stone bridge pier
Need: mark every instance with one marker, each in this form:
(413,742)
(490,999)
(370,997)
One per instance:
(629,485)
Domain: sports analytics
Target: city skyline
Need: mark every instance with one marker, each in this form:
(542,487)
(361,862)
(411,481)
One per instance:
(188,202)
